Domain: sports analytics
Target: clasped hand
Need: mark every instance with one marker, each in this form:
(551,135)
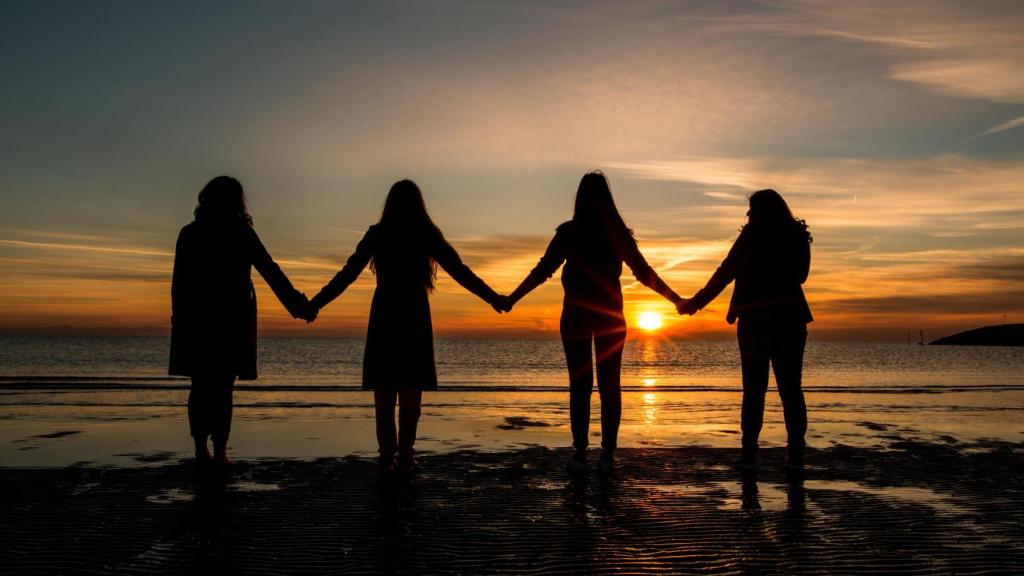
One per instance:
(502,303)
(307,310)
(686,307)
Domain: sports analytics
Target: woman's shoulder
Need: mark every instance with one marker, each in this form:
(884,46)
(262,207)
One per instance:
(374,233)
(567,228)
(190,233)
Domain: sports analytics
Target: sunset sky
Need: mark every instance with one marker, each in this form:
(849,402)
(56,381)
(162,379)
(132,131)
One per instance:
(895,129)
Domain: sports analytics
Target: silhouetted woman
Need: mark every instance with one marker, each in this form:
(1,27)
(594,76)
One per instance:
(213,322)
(593,245)
(769,261)
(403,251)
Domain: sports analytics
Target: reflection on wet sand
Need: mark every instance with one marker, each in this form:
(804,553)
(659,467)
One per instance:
(908,509)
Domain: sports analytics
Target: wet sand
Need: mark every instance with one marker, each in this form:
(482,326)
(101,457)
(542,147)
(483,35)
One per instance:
(914,508)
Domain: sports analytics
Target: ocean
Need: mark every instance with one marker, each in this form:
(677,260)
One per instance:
(106,400)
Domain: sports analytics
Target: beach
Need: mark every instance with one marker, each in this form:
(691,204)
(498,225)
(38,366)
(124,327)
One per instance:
(915,465)
(914,508)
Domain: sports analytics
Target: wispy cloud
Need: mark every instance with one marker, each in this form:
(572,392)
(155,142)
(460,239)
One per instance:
(971,50)
(86,248)
(1008,125)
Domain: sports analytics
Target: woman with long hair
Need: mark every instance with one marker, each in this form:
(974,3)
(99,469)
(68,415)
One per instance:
(213,321)
(593,246)
(769,261)
(403,250)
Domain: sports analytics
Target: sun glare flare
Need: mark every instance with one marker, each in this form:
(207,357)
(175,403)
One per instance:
(649,321)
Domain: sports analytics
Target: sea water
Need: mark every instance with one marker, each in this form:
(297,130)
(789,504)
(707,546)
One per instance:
(108,400)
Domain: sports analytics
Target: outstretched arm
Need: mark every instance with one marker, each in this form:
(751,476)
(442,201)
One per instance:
(347,275)
(449,260)
(645,274)
(553,257)
(294,301)
(725,273)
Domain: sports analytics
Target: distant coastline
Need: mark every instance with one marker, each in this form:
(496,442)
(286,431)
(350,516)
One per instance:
(998,335)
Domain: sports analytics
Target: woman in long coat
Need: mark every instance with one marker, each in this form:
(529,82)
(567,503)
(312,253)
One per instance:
(769,261)
(213,322)
(403,250)
(593,246)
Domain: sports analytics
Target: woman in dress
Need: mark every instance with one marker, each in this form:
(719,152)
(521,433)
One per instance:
(593,245)
(213,321)
(769,261)
(403,250)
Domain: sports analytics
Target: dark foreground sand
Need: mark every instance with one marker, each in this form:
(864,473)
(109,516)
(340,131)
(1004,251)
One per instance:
(920,508)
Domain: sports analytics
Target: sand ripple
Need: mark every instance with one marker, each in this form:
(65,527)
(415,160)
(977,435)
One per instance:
(920,509)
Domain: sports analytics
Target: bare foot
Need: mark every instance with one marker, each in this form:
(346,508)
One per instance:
(203,454)
(221,460)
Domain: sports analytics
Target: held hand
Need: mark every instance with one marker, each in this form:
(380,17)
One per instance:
(310,312)
(685,307)
(500,304)
(507,303)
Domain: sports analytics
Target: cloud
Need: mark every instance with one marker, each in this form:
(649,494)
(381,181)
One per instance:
(1008,125)
(996,79)
(934,304)
(973,50)
(137,251)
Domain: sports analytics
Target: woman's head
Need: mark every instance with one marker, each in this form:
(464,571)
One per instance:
(406,221)
(768,209)
(404,207)
(595,208)
(222,198)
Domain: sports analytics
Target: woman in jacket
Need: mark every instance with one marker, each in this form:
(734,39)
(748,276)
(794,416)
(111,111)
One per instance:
(769,261)
(403,250)
(213,322)
(593,246)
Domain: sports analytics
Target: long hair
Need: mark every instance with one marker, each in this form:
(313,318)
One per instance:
(769,211)
(223,198)
(595,214)
(405,219)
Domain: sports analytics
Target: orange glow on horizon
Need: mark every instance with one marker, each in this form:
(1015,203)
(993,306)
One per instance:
(649,321)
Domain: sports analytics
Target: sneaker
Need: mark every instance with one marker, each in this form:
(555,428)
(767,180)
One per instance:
(385,464)
(607,463)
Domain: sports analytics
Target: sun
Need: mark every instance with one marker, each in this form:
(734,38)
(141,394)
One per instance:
(649,321)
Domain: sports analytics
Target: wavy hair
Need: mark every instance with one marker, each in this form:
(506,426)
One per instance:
(223,198)
(768,210)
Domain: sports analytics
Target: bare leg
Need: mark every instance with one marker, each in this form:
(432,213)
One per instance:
(387,436)
(198,418)
(221,408)
(409,402)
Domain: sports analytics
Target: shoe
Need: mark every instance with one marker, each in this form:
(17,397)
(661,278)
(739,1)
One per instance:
(606,464)
(385,464)
(578,463)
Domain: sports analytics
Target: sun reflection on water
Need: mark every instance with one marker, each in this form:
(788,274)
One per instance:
(650,408)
